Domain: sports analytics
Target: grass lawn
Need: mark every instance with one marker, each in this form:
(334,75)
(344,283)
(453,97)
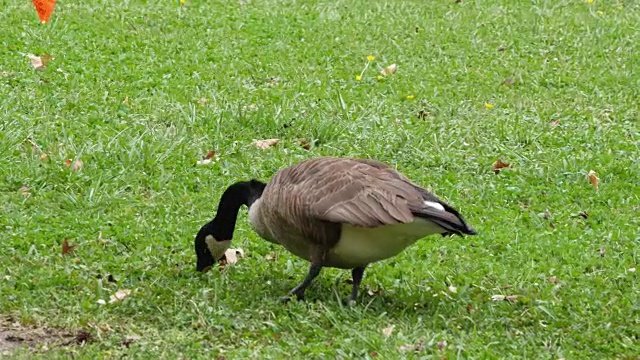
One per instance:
(140,91)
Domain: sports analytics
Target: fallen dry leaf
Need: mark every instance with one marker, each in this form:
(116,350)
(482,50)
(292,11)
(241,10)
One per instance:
(423,114)
(119,295)
(44,156)
(24,191)
(499,165)
(37,62)
(208,159)
(305,144)
(388,331)
(389,70)
(508,81)
(593,178)
(554,122)
(265,144)
(412,347)
(77,165)
(469,308)
(271,256)
(584,215)
(66,248)
(441,345)
(510,298)
(553,280)
(545,215)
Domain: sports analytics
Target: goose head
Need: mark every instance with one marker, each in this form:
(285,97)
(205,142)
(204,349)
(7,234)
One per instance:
(214,237)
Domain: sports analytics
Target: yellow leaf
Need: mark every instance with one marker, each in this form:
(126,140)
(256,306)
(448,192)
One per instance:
(265,144)
(388,331)
(593,178)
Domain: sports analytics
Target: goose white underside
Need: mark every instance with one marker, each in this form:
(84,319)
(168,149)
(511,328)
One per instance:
(360,246)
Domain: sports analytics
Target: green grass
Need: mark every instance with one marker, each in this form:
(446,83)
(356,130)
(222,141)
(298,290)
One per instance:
(213,75)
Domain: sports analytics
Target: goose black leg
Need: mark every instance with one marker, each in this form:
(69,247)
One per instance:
(356,274)
(298,291)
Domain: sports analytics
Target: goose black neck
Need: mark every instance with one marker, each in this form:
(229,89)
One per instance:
(236,195)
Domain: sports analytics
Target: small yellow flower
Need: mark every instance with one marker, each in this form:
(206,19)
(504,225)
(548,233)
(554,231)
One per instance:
(358,77)
(380,78)
(589,1)
(410,97)
(489,105)
(371,58)
(182,2)
(600,12)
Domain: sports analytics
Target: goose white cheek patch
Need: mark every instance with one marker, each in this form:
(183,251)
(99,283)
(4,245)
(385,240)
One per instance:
(217,248)
(434,205)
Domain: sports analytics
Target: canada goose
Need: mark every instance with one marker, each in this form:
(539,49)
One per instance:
(334,212)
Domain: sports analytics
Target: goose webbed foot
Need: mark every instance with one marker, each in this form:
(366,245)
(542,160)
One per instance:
(298,291)
(356,274)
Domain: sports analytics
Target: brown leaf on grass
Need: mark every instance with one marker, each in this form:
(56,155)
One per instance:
(66,248)
(442,345)
(207,158)
(127,341)
(554,122)
(25,191)
(304,143)
(77,165)
(508,82)
(44,156)
(423,114)
(469,308)
(502,48)
(509,298)
(584,215)
(266,143)
(593,178)
(388,330)
(119,295)
(546,214)
(389,70)
(37,62)
(412,347)
(498,165)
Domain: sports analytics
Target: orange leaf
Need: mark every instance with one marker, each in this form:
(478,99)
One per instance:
(44,9)
(66,248)
(208,159)
(593,178)
(76,165)
(499,164)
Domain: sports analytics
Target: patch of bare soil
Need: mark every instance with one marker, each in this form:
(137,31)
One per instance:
(14,335)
